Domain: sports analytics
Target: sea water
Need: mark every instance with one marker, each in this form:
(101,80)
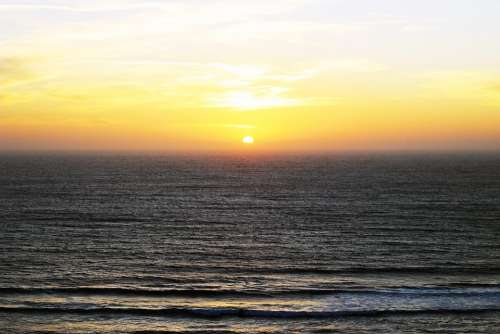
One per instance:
(340,243)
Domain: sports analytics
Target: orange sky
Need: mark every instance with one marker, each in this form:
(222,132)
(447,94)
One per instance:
(297,75)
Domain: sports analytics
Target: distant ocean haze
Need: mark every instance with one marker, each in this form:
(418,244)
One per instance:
(349,243)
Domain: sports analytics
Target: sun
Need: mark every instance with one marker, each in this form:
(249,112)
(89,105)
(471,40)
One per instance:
(248,140)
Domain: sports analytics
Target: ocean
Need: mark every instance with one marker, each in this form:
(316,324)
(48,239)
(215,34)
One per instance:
(340,243)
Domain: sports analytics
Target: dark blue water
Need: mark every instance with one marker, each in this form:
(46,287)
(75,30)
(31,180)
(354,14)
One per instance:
(306,244)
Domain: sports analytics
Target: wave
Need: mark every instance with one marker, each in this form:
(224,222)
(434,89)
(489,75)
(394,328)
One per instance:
(242,313)
(380,270)
(471,290)
(217,331)
(132,292)
(471,285)
(422,270)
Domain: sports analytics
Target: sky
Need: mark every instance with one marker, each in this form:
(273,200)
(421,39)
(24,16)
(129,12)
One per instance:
(296,75)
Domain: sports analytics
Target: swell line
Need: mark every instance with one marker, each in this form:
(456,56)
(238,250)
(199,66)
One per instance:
(132,292)
(193,293)
(373,270)
(239,313)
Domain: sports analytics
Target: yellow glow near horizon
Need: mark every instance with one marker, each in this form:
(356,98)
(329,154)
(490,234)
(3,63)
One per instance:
(307,75)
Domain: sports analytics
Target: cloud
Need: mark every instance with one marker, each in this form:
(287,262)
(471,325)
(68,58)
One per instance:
(478,87)
(239,126)
(256,6)
(11,66)
(20,73)
(13,70)
(85,7)
(495,87)
(252,100)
